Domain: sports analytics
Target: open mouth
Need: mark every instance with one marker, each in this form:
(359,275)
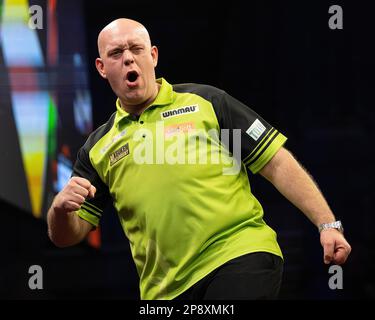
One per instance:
(132,76)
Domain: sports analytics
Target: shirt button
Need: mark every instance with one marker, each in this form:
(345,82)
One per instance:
(144,136)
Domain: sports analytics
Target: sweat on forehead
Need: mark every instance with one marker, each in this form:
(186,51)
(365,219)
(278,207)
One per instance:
(121,28)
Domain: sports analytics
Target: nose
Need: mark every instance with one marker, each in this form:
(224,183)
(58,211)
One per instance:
(128,57)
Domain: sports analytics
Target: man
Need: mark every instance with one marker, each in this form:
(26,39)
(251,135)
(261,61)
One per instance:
(195,229)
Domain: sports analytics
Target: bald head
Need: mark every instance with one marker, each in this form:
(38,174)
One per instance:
(120,28)
(128,61)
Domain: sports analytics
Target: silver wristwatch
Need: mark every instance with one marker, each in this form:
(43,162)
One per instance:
(332,225)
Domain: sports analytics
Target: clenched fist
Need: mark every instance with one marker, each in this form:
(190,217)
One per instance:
(73,195)
(336,248)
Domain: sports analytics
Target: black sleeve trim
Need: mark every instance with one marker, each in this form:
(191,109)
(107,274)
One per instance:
(264,149)
(259,145)
(89,210)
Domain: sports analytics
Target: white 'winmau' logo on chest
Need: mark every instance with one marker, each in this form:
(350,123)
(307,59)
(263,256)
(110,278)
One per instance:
(179,111)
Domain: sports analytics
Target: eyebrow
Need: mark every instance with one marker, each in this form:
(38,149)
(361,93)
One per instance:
(121,47)
(112,50)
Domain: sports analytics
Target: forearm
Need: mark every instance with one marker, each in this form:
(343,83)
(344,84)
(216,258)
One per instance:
(295,184)
(64,228)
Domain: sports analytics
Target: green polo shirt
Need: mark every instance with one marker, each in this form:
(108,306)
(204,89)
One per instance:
(178,180)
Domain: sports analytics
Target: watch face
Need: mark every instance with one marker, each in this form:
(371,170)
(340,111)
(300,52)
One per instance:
(338,226)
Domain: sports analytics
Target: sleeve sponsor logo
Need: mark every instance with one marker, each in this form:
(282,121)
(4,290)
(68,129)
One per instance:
(179,111)
(256,130)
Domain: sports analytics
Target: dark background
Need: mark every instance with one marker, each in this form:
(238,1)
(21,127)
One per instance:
(312,83)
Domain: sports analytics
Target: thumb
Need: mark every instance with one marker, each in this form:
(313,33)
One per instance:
(92,191)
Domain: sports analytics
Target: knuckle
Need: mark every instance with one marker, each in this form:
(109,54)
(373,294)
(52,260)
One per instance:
(80,181)
(70,185)
(73,181)
(74,206)
(86,183)
(81,200)
(62,199)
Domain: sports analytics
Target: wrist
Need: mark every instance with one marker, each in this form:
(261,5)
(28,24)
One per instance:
(331,225)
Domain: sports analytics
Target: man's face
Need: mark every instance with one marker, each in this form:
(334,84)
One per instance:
(128,62)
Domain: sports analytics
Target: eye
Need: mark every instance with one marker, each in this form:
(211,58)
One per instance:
(137,49)
(115,53)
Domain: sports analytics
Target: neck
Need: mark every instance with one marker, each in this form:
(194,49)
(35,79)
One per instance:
(139,108)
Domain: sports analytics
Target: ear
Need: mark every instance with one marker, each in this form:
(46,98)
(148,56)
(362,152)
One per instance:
(155,55)
(100,67)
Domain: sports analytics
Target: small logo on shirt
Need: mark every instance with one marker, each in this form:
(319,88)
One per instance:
(113,140)
(178,128)
(179,111)
(119,154)
(256,129)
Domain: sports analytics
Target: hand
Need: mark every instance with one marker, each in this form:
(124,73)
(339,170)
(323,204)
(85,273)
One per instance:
(336,248)
(74,195)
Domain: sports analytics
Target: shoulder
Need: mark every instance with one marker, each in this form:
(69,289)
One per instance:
(99,133)
(207,92)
